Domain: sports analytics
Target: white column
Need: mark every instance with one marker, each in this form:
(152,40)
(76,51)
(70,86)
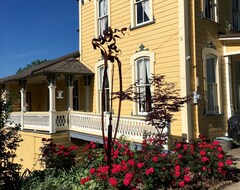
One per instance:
(70,98)
(230,110)
(52,108)
(23,105)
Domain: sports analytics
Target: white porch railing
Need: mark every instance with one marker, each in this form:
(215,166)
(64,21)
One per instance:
(131,127)
(39,120)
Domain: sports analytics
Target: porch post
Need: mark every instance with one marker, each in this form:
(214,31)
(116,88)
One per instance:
(87,82)
(23,91)
(52,102)
(230,110)
(69,81)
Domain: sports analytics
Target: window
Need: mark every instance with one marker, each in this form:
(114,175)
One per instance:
(102,16)
(237,86)
(75,96)
(143,88)
(100,88)
(211,60)
(141,12)
(210,10)
(236,14)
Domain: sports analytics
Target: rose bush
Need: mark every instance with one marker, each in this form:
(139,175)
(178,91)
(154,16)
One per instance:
(57,156)
(152,168)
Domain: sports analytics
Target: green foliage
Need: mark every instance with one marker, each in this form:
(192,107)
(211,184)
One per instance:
(9,139)
(28,66)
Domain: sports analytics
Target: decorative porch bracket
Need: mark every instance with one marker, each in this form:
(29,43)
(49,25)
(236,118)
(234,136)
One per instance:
(52,102)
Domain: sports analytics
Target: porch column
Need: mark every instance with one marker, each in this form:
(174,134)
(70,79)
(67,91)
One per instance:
(87,82)
(52,102)
(230,110)
(69,81)
(23,91)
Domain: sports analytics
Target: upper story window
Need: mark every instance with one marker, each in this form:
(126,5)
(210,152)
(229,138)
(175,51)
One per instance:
(141,12)
(236,14)
(106,105)
(212,81)
(102,16)
(210,10)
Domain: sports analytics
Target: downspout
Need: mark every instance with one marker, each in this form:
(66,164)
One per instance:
(184,57)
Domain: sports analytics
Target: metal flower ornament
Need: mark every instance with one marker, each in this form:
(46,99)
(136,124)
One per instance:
(107,44)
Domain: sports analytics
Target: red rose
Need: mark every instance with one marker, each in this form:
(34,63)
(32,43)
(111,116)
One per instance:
(187,178)
(202,153)
(177,173)
(149,171)
(112,181)
(181,183)
(84,180)
(155,159)
(177,167)
(220,164)
(92,170)
(229,162)
(140,165)
(220,156)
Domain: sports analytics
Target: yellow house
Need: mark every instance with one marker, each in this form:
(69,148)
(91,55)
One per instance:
(195,44)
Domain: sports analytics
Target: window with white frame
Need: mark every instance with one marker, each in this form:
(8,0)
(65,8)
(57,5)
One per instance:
(210,10)
(236,14)
(143,87)
(212,87)
(102,17)
(237,86)
(142,12)
(100,89)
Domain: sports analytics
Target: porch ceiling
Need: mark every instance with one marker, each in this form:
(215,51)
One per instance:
(231,43)
(68,64)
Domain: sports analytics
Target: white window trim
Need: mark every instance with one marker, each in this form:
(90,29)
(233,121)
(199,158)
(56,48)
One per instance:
(133,58)
(96,17)
(133,14)
(97,65)
(216,11)
(205,52)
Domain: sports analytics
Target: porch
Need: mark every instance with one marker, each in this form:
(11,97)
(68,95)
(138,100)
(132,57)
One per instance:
(81,125)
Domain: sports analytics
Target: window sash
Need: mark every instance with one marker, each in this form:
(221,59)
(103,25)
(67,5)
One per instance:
(142,11)
(236,14)
(143,87)
(107,90)
(212,98)
(210,9)
(102,16)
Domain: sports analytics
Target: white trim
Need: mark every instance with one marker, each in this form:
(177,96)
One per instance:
(184,68)
(80,29)
(232,53)
(212,51)
(96,16)
(133,58)
(133,14)
(229,87)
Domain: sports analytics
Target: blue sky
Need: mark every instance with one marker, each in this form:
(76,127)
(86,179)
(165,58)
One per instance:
(36,29)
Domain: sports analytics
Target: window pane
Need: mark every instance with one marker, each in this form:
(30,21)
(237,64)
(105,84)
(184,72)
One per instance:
(139,13)
(142,11)
(211,70)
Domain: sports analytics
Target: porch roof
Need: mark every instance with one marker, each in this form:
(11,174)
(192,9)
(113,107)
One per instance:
(224,37)
(68,64)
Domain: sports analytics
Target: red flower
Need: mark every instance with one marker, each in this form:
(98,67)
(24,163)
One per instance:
(178,145)
(219,149)
(126,181)
(149,171)
(131,162)
(155,159)
(204,159)
(181,183)
(185,147)
(112,181)
(220,164)
(84,180)
(204,168)
(94,146)
(140,165)
(179,156)
(92,170)
(215,143)
(116,168)
(187,178)
(177,173)
(103,169)
(229,162)
(177,167)
(186,170)
(220,156)
(202,153)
